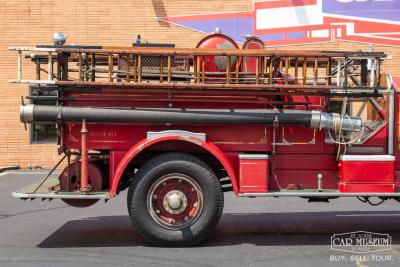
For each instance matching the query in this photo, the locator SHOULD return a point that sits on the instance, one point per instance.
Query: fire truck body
(199, 122)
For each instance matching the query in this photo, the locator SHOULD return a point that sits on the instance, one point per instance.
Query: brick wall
(29, 22)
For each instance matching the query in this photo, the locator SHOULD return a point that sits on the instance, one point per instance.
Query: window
(42, 133)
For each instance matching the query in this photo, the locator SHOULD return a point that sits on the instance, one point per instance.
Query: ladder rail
(290, 69)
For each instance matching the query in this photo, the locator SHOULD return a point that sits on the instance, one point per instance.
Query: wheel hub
(175, 202)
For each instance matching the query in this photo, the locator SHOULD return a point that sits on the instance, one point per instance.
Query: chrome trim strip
(367, 158)
(253, 156)
(315, 119)
(318, 194)
(391, 122)
(152, 135)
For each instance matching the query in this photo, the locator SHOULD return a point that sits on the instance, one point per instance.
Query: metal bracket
(23, 104)
(152, 135)
(59, 132)
(275, 127)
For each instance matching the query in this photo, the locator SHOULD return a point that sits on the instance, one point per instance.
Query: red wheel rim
(175, 201)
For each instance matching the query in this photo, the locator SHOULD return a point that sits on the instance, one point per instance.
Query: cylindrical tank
(249, 63)
(217, 63)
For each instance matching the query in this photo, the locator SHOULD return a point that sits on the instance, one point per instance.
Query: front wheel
(175, 199)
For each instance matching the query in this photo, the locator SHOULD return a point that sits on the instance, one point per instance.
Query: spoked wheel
(70, 181)
(175, 199)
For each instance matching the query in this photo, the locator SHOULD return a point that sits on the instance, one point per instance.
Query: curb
(9, 168)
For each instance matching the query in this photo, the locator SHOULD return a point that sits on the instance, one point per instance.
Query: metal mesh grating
(151, 64)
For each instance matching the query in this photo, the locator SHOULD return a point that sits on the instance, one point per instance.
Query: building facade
(27, 23)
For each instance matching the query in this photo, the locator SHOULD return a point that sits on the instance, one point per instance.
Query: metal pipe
(84, 159)
(391, 123)
(312, 119)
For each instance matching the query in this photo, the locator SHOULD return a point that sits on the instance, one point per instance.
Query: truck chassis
(178, 127)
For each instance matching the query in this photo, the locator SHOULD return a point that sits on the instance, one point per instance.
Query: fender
(136, 149)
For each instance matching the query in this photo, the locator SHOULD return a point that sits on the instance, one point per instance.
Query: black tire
(148, 175)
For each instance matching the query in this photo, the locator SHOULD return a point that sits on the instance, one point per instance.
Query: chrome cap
(59, 38)
(26, 113)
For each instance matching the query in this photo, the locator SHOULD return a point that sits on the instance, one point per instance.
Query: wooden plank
(328, 79)
(127, 68)
(110, 67)
(305, 71)
(161, 70)
(139, 59)
(49, 67)
(315, 80)
(80, 67)
(169, 67)
(228, 69)
(257, 70)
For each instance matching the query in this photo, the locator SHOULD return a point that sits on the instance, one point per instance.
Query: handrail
(166, 51)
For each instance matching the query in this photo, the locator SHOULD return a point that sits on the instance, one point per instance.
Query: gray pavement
(252, 232)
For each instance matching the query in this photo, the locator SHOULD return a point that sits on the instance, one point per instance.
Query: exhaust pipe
(312, 119)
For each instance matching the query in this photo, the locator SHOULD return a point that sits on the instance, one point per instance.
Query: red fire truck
(179, 127)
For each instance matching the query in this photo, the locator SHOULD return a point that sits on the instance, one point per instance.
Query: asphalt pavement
(252, 232)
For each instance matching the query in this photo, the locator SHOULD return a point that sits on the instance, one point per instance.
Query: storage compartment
(366, 173)
(253, 176)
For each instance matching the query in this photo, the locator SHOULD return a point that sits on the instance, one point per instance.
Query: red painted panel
(366, 176)
(366, 171)
(124, 136)
(253, 175)
(371, 188)
(115, 159)
(297, 139)
(283, 3)
(314, 102)
(302, 162)
(303, 179)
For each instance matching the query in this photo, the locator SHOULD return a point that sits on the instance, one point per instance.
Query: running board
(315, 193)
(48, 190)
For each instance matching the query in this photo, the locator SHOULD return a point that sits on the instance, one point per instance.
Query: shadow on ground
(264, 229)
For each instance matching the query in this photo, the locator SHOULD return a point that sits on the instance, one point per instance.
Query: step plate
(45, 191)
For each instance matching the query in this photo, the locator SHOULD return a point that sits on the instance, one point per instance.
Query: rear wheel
(175, 199)
(70, 182)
